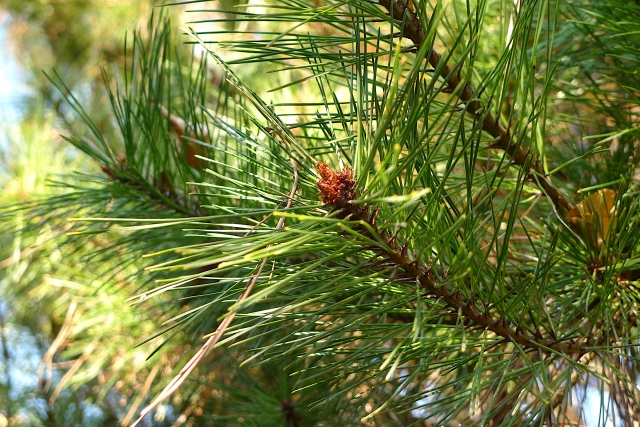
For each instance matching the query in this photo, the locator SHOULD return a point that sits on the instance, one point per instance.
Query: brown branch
(338, 189)
(414, 31)
(141, 394)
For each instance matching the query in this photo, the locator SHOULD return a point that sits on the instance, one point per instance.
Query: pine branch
(414, 31)
(327, 310)
(160, 191)
(177, 381)
(338, 190)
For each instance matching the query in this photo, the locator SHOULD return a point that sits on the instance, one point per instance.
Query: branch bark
(338, 190)
(414, 31)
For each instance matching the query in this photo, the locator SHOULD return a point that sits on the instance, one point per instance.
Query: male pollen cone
(336, 188)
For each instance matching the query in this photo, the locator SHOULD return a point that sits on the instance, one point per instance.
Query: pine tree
(430, 220)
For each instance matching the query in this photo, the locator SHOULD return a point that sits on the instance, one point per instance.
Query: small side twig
(215, 338)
